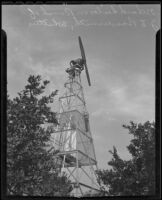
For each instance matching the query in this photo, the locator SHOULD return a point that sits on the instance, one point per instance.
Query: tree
(137, 175)
(31, 166)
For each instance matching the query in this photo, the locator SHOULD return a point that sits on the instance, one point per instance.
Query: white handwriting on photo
(110, 15)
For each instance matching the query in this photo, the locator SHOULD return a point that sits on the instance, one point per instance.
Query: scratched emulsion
(68, 16)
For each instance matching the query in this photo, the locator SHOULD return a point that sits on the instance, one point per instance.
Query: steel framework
(73, 140)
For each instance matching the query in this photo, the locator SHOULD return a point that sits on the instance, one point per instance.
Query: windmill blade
(84, 59)
(82, 49)
(87, 74)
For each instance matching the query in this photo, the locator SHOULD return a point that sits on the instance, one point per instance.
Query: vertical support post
(63, 164)
(77, 173)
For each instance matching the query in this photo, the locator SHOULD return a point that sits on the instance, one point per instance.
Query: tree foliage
(31, 169)
(137, 175)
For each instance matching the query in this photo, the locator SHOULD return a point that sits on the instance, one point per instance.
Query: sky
(119, 42)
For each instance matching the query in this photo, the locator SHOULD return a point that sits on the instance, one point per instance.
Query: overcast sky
(119, 42)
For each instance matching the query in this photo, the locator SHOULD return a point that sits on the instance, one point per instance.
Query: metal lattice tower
(72, 137)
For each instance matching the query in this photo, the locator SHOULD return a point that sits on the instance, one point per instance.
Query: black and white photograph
(81, 99)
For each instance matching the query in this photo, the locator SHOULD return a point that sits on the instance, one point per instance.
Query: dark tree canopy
(31, 169)
(137, 175)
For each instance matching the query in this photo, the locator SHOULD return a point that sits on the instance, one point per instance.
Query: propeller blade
(82, 49)
(87, 73)
(84, 59)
